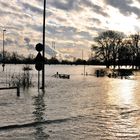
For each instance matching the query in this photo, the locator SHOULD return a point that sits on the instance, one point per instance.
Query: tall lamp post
(3, 65)
(43, 54)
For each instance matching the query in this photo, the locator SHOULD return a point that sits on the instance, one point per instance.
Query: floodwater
(79, 108)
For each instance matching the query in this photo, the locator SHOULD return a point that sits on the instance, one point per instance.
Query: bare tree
(107, 45)
(136, 49)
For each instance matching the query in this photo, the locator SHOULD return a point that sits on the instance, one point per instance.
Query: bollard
(18, 91)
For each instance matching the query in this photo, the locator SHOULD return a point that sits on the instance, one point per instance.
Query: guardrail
(6, 88)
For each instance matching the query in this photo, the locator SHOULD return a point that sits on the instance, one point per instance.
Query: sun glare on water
(121, 93)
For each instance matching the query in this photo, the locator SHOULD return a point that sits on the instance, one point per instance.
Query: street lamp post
(3, 65)
(43, 70)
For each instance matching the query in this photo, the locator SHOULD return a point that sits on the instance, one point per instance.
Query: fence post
(18, 91)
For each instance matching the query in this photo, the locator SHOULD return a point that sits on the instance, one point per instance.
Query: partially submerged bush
(22, 80)
(125, 72)
(26, 68)
(100, 72)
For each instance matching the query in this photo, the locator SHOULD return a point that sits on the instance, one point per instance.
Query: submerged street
(82, 107)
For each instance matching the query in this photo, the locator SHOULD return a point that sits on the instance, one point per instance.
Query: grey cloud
(28, 43)
(37, 28)
(7, 10)
(61, 30)
(53, 30)
(27, 40)
(8, 6)
(69, 29)
(11, 13)
(48, 13)
(70, 5)
(124, 7)
(99, 10)
(9, 41)
(32, 8)
(138, 1)
(68, 32)
(95, 20)
(85, 35)
(60, 19)
(96, 29)
(67, 5)
(96, 8)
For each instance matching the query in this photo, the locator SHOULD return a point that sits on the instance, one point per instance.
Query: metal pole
(84, 68)
(3, 50)
(83, 61)
(38, 80)
(43, 70)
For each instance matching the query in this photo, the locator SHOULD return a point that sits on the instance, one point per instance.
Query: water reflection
(121, 92)
(121, 109)
(126, 93)
(38, 113)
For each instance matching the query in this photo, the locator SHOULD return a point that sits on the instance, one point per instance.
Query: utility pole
(83, 61)
(43, 53)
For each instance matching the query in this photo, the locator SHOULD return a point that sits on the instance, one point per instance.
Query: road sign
(39, 47)
(39, 62)
(39, 66)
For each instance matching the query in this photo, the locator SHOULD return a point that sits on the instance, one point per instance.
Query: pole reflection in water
(39, 116)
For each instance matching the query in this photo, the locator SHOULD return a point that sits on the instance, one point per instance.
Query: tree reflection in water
(39, 116)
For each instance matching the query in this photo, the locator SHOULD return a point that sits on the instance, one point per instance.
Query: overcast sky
(72, 24)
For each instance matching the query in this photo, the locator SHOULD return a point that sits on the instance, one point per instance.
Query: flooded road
(79, 108)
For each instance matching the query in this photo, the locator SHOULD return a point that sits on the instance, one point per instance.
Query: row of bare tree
(116, 49)
(14, 57)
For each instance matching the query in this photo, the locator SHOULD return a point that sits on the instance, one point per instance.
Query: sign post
(39, 61)
(41, 66)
